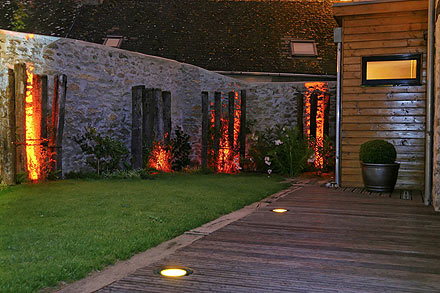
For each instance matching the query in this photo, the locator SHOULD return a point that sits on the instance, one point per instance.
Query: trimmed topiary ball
(377, 152)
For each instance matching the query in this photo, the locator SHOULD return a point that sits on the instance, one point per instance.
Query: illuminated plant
(103, 152)
(289, 152)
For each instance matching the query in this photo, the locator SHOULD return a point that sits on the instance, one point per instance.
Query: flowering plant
(290, 151)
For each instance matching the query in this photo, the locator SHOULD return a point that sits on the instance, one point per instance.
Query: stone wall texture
(100, 80)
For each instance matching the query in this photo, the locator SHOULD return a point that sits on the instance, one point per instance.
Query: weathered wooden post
(60, 122)
(242, 135)
(231, 116)
(300, 113)
(313, 112)
(136, 127)
(205, 129)
(217, 123)
(166, 100)
(327, 104)
(54, 124)
(44, 99)
(147, 118)
(20, 116)
(7, 134)
(158, 115)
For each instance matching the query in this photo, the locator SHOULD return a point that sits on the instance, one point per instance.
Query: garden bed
(63, 230)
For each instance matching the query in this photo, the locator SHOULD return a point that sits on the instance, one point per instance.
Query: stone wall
(100, 80)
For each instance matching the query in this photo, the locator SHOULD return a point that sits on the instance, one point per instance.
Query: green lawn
(61, 231)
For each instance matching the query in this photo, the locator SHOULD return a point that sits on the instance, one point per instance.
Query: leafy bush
(283, 147)
(290, 152)
(180, 149)
(104, 154)
(260, 144)
(377, 152)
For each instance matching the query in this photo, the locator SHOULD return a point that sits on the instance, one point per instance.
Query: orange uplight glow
(228, 160)
(160, 158)
(319, 88)
(33, 127)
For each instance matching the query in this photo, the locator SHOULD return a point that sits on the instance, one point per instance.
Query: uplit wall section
(100, 82)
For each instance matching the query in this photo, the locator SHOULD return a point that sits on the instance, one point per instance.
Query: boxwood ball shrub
(377, 152)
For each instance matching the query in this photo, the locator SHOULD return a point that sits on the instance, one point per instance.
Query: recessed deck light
(175, 272)
(279, 211)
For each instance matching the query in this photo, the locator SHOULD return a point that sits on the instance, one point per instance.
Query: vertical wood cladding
(395, 114)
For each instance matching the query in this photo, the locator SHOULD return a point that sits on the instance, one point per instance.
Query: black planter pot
(380, 177)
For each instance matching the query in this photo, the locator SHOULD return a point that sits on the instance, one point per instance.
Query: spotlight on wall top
(175, 272)
(279, 211)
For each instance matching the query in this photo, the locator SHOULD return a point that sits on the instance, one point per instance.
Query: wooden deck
(329, 241)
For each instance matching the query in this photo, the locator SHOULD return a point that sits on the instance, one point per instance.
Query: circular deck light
(279, 211)
(175, 272)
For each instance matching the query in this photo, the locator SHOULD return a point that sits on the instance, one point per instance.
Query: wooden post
(166, 99)
(147, 118)
(313, 112)
(35, 143)
(44, 98)
(158, 115)
(242, 135)
(54, 124)
(231, 115)
(60, 124)
(7, 135)
(217, 123)
(205, 129)
(136, 127)
(326, 113)
(20, 116)
(300, 111)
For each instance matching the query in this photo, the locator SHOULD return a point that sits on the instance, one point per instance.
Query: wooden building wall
(396, 114)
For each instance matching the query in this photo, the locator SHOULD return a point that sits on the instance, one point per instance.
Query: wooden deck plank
(330, 240)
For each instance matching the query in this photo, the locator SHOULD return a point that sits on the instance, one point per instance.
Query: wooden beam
(54, 123)
(7, 135)
(158, 115)
(300, 113)
(231, 115)
(44, 99)
(205, 129)
(147, 118)
(20, 117)
(60, 123)
(136, 127)
(242, 135)
(166, 100)
(36, 115)
(217, 122)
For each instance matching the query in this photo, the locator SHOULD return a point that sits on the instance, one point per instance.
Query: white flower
(269, 171)
(284, 129)
(267, 161)
(278, 142)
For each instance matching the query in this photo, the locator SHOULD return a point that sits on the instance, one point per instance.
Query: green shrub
(290, 152)
(104, 154)
(377, 152)
(260, 144)
(180, 149)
